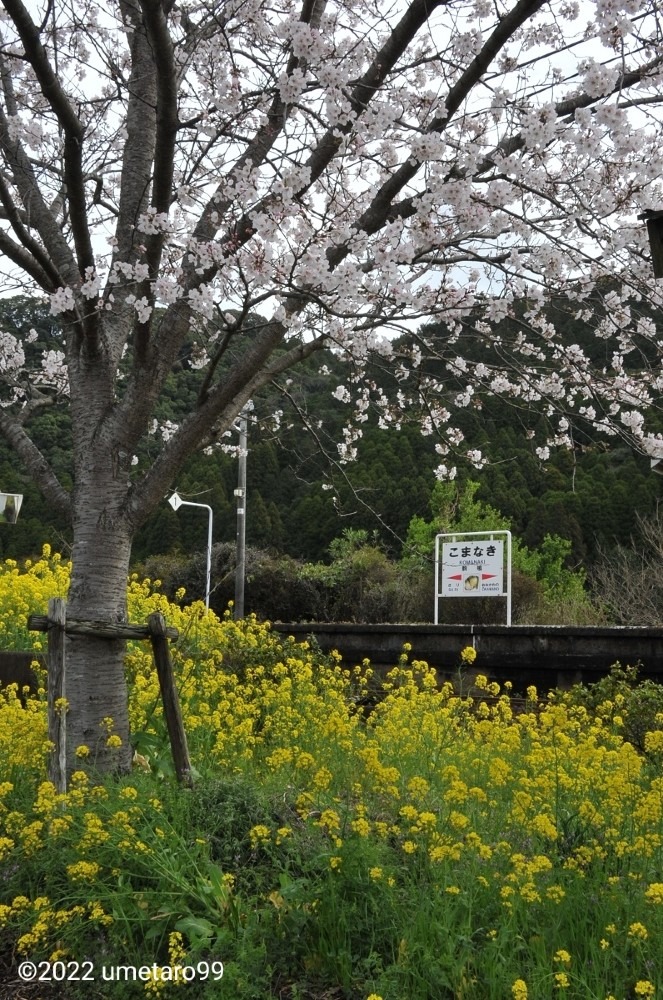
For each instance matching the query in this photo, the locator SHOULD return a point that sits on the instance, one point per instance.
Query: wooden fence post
(171, 703)
(57, 626)
(57, 713)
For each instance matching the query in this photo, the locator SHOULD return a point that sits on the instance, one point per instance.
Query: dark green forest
(300, 499)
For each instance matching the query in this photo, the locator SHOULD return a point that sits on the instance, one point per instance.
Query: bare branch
(261, 143)
(38, 58)
(223, 402)
(25, 260)
(37, 212)
(71, 126)
(35, 463)
(139, 146)
(42, 263)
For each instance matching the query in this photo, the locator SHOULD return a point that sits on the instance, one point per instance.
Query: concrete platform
(547, 656)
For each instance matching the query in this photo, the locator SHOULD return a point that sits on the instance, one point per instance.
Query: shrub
(631, 707)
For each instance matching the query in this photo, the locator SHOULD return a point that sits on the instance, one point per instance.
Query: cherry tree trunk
(96, 688)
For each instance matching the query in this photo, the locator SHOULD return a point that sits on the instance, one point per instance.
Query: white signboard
(10, 504)
(473, 564)
(473, 569)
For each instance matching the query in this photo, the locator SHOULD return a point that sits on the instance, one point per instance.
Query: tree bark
(96, 683)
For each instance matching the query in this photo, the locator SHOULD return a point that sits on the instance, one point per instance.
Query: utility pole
(240, 493)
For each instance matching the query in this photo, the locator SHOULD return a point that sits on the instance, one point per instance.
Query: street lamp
(176, 502)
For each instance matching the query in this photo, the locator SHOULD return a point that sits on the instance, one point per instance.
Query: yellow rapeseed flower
(259, 834)
(83, 871)
(361, 827)
(330, 821)
(654, 893)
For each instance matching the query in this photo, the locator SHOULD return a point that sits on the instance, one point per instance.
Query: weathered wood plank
(57, 715)
(169, 696)
(102, 630)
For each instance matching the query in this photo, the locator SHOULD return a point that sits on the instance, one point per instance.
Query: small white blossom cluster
(142, 307)
(92, 285)
(152, 222)
(62, 300)
(597, 79)
(167, 289)
(539, 127)
(165, 428)
(12, 355)
(347, 449)
(476, 458)
(30, 132)
(199, 358)
(292, 85)
(342, 393)
(53, 372)
(201, 300)
(652, 445)
(306, 41)
(468, 44)
(204, 254)
(445, 472)
(233, 450)
(275, 420)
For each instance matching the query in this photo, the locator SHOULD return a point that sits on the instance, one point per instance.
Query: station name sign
(473, 564)
(473, 569)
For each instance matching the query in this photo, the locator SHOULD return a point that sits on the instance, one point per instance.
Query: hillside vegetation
(350, 541)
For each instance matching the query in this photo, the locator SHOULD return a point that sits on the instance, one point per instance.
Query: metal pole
(209, 558)
(240, 493)
(508, 578)
(437, 578)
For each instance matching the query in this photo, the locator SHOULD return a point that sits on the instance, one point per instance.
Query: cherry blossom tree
(344, 169)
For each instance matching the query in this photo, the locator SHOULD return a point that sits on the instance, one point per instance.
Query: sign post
(472, 564)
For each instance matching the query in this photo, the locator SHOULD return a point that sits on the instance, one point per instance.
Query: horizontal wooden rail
(101, 630)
